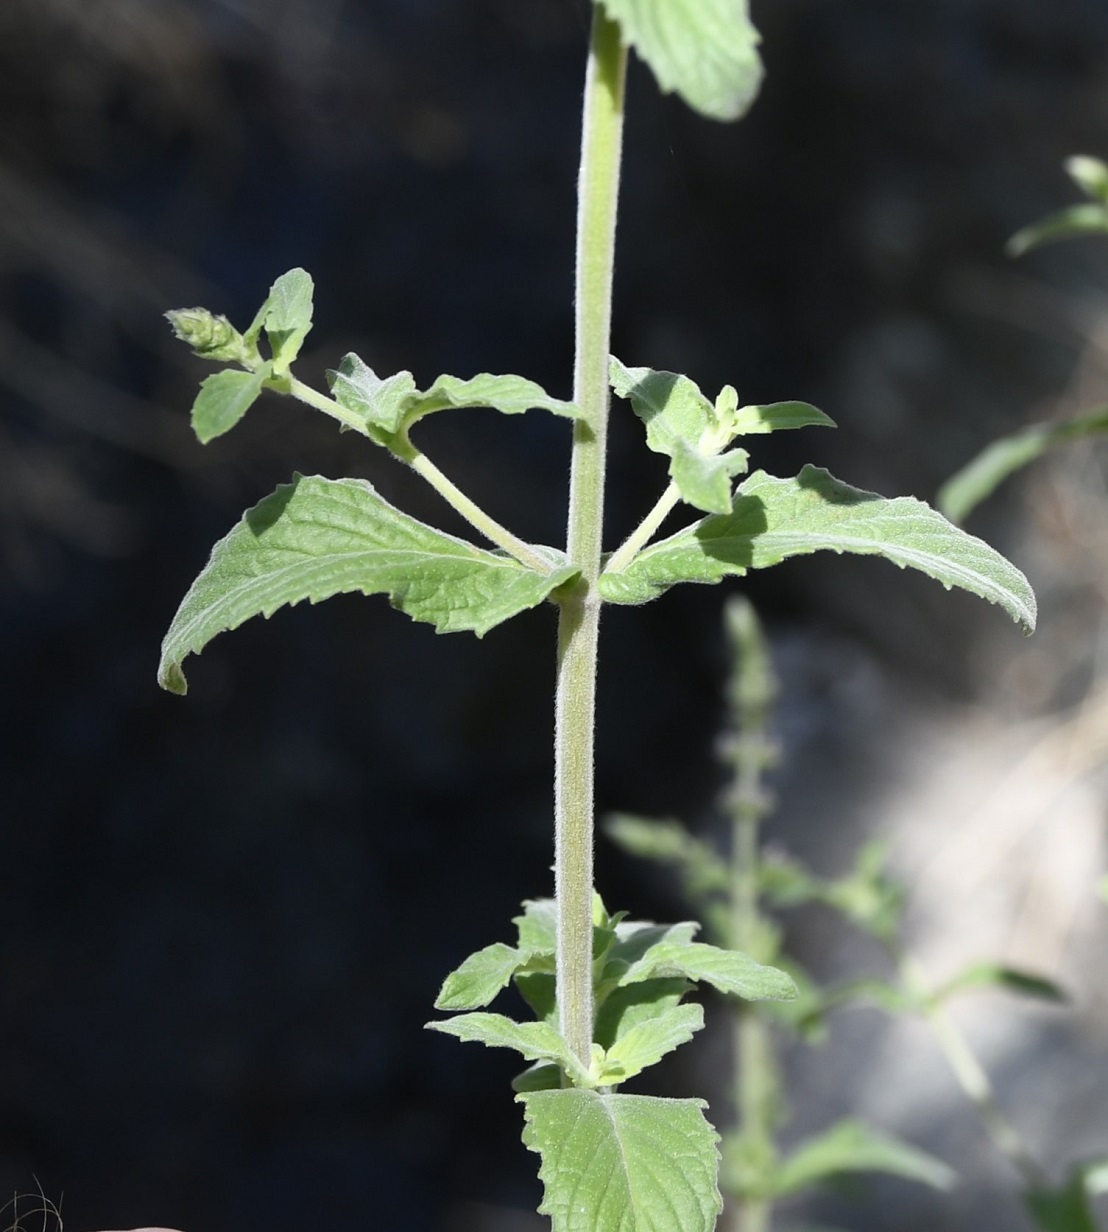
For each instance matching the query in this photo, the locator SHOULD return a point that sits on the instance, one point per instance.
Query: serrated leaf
(850, 1146)
(705, 50)
(289, 316)
(319, 537)
(978, 479)
(224, 398)
(1070, 223)
(645, 1043)
(775, 519)
(382, 403)
(996, 975)
(729, 971)
(477, 981)
(623, 1163)
(536, 1041)
(779, 417)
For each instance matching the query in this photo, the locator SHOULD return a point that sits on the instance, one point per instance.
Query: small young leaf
(623, 1163)
(779, 417)
(850, 1146)
(382, 403)
(705, 50)
(703, 871)
(538, 926)
(537, 1041)
(319, 537)
(210, 336)
(729, 971)
(705, 479)
(289, 316)
(224, 398)
(1067, 224)
(645, 1043)
(995, 975)
(775, 519)
(477, 981)
(978, 479)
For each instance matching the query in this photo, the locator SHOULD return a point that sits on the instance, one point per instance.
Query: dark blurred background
(226, 917)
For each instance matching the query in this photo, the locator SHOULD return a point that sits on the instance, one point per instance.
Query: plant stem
(644, 532)
(752, 689)
(424, 467)
(578, 624)
(972, 1077)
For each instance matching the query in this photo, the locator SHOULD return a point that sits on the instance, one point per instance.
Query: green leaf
(1067, 224)
(703, 870)
(288, 316)
(542, 1076)
(779, 417)
(477, 981)
(639, 938)
(775, 519)
(210, 336)
(995, 975)
(539, 989)
(623, 1163)
(391, 406)
(538, 926)
(319, 537)
(537, 1041)
(645, 1043)
(729, 971)
(224, 398)
(978, 479)
(1062, 1210)
(850, 1146)
(704, 480)
(624, 1009)
(705, 50)
(1090, 175)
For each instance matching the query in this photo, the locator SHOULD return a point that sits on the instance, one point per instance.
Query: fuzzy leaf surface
(317, 537)
(851, 1146)
(288, 317)
(536, 1041)
(729, 971)
(623, 1163)
(979, 478)
(224, 398)
(775, 519)
(477, 981)
(538, 926)
(645, 1043)
(779, 417)
(705, 50)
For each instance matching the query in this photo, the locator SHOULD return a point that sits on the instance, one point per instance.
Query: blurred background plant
(190, 1026)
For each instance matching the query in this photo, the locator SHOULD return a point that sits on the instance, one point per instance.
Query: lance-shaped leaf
(851, 1146)
(288, 316)
(729, 971)
(996, 975)
(978, 479)
(705, 50)
(477, 981)
(623, 1163)
(536, 1041)
(319, 537)
(390, 406)
(1071, 223)
(775, 519)
(647, 1041)
(778, 417)
(224, 398)
(703, 870)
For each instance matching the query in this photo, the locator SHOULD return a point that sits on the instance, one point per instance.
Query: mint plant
(741, 893)
(607, 992)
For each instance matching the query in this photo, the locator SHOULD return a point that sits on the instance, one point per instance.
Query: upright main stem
(598, 190)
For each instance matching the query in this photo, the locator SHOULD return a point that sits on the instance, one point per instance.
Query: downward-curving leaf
(705, 50)
(224, 398)
(510, 395)
(623, 1163)
(477, 981)
(851, 1146)
(319, 537)
(537, 1041)
(774, 519)
(977, 480)
(1067, 224)
(729, 971)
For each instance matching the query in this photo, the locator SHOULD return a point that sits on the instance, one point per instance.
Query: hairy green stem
(644, 532)
(575, 703)
(426, 469)
(972, 1078)
(751, 691)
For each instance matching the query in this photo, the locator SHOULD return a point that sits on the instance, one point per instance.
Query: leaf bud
(210, 336)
